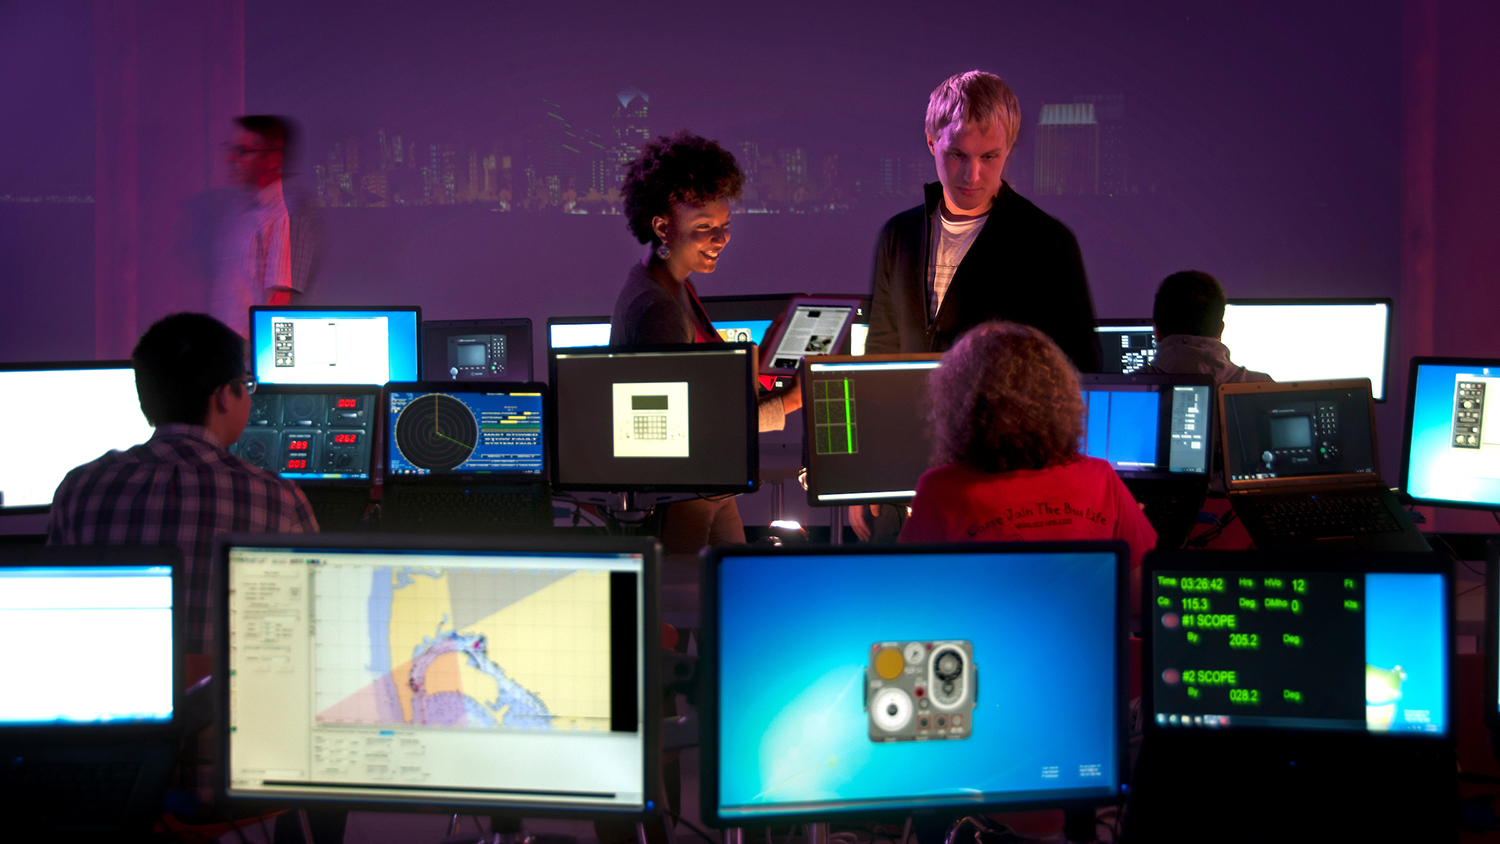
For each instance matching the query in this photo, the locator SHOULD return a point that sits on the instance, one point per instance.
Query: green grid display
(834, 426)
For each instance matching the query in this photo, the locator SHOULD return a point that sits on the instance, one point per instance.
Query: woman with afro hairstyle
(676, 197)
(1006, 419)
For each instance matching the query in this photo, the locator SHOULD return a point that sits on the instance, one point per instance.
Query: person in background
(1006, 419)
(974, 251)
(1189, 318)
(676, 197)
(270, 249)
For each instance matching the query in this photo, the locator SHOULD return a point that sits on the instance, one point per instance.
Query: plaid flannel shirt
(181, 487)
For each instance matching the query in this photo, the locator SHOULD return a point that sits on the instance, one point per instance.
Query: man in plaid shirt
(182, 486)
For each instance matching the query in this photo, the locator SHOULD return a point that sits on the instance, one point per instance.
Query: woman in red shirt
(1007, 419)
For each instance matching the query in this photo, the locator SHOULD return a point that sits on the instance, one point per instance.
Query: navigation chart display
(465, 433)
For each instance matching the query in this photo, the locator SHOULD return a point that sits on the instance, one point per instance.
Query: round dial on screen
(891, 709)
(436, 432)
(915, 653)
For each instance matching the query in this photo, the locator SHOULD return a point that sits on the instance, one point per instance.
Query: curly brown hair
(681, 167)
(1005, 398)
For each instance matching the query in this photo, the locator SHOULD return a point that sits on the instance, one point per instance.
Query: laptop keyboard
(74, 794)
(471, 509)
(1324, 514)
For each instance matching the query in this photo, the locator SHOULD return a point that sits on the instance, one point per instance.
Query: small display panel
(59, 418)
(465, 433)
(1298, 433)
(116, 619)
(885, 713)
(573, 334)
(741, 330)
(333, 345)
(867, 435)
(310, 434)
(504, 679)
(1148, 425)
(1453, 438)
(1313, 340)
(476, 350)
(1299, 650)
(1124, 349)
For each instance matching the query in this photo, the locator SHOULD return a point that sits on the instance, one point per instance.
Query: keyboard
(1325, 514)
(87, 794)
(470, 510)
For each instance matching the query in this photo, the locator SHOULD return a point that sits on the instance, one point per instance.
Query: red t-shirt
(1084, 499)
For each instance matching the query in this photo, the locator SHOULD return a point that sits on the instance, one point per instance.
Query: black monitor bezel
(508, 322)
(331, 389)
(1490, 696)
(45, 366)
(650, 623)
(752, 414)
(1410, 420)
(387, 436)
(1361, 562)
(1164, 435)
(416, 310)
(40, 556)
(573, 320)
(708, 674)
(1390, 319)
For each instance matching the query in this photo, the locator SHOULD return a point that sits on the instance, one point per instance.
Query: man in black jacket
(976, 250)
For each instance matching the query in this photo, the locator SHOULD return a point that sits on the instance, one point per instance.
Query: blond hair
(975, 97)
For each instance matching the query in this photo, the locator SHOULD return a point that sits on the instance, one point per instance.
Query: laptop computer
(90, 642)
(465, 457)
(1302, 469)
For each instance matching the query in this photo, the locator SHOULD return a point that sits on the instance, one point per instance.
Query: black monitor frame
(416, 310)
(478, 326)
(1390, 306)
(572, 320)
(708, 674)
(650, 626)
(387, 436)
(1163, 444)
(1410, 419)
(370, 390)
(1490, 696)
(752, 454)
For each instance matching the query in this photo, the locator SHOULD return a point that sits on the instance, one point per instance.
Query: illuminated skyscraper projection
(630, 130)
(1067, 150)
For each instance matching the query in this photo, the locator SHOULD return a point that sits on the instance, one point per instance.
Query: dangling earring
(663, 252)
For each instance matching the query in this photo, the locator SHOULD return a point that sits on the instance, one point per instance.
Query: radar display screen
(465, 433)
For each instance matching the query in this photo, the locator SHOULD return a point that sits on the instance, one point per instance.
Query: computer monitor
(1311, 339)
(510, 677)
(744, 319)
(1451, 454)
(997, 681)
(474, 429)
(673, 418)
(59, 416)
(577, 332)
(1149, 426)
(348, 345)
(1125, 345)
(1324, 643)
(866, 431)
(314, 434)
(1292, 433)
(476, 350)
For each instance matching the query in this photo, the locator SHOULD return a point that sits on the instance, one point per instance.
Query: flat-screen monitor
(502, 677)
(866, 431)
(1452, 447)
(1149, 426)
(1301, 643)
(1125, 345)
(674, 418)
(1311, 339)
(312, 434)
(744, 319)
(474, 429)
(577, 332)
(59, 416)
(349, 345)
(997, 683)
(476, 350)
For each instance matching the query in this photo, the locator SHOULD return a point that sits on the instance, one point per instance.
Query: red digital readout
(346, 438)
(297, 445)
(347, 402)
(297, 463)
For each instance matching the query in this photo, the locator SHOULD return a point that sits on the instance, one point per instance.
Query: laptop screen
(1148, 425)
(76, 414)
(575, 332)
(1452, 440)
(1311, 340)
(945, 705)
(1284, 431)
(464, 432)
(1126, 347)
(403, 672)
(1299, 650)
(86, 645)
(304, 434)
(476, 350)
(304, 345)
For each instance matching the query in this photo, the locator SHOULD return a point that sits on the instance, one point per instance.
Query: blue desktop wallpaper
(1121, 427)
(401, 329)
(756, 327)
(795, 637)
(1404, 626)
(1434, 470)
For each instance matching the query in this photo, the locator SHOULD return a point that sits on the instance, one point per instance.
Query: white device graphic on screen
(651, 419)
(921, 690)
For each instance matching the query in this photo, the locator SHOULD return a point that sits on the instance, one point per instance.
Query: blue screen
(1404, 628)
(1444, 463)
(334, 346)
(742, 330)
(795, 733)
(1121, 427)
(465, 433)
